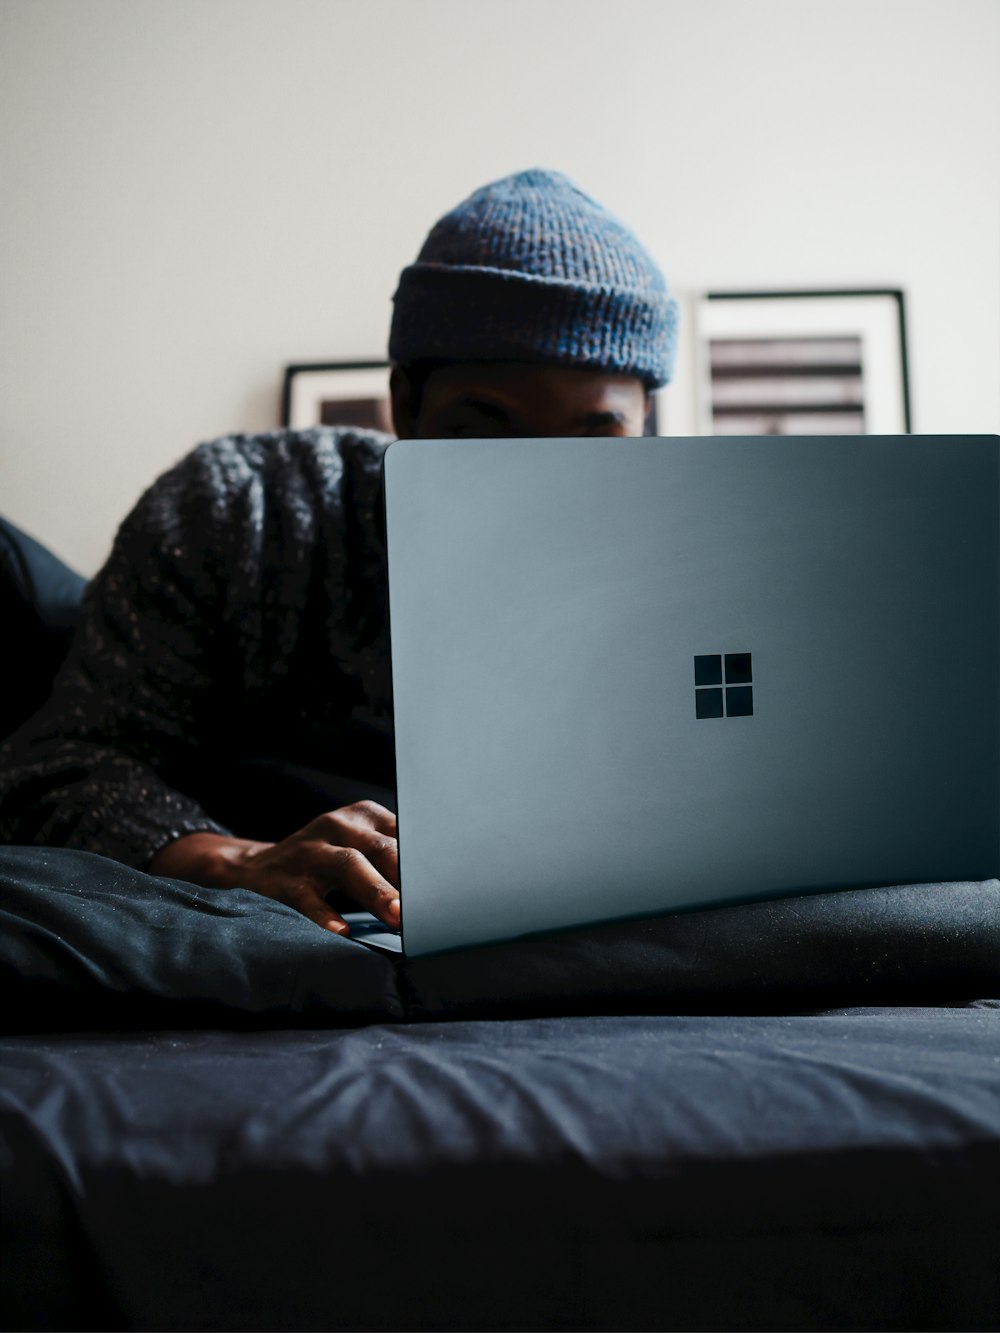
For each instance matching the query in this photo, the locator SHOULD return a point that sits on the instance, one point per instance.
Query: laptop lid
(635, 676)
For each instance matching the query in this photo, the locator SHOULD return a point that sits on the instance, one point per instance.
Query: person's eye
(475, 430)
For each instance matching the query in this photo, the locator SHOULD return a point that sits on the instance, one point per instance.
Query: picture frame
(337, 393)
(826, 362)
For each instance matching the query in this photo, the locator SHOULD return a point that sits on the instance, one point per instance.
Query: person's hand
(350, 853)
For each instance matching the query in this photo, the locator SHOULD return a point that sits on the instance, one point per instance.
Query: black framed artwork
(337, 393)
(802, 363)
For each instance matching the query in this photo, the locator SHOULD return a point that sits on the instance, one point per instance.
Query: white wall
(197, 192)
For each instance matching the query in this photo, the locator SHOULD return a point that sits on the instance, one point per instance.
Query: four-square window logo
(723, 685)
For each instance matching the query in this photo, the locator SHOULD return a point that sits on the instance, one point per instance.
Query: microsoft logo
(711, 685)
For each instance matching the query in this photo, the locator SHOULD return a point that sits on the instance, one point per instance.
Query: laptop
(640, 676)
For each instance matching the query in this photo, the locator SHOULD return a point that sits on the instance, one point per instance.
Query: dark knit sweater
(242, 612)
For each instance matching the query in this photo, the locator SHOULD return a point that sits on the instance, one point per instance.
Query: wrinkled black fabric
(342, 1161)
(832, 1171)
(88, 942)
(911, 944)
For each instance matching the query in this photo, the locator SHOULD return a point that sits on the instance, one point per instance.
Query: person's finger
(380, 818)
(368, 814)
(308, 900)
(349, 827)
(350, 871)
(381, 850)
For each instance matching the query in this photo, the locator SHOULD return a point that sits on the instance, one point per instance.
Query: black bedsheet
(215, 1116)
(830, 1171)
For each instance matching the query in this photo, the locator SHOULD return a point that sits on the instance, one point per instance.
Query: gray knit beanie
(532, 269)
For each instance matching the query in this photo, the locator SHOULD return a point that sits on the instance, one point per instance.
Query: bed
(784, 1115)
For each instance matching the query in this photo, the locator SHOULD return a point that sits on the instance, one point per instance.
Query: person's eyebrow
(594, 419)
(485, 407)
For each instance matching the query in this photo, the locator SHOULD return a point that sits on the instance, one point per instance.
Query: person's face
(502, 399)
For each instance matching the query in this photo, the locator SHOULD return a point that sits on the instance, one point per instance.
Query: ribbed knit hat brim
(495, 314)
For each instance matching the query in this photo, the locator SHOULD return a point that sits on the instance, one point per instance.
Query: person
(238, 630)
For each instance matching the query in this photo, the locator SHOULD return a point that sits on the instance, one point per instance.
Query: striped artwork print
(787, 386)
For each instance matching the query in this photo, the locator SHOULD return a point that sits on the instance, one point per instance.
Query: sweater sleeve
(144, 686)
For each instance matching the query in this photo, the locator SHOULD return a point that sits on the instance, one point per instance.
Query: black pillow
(915, 944)
(86, 942)
(39, 608)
